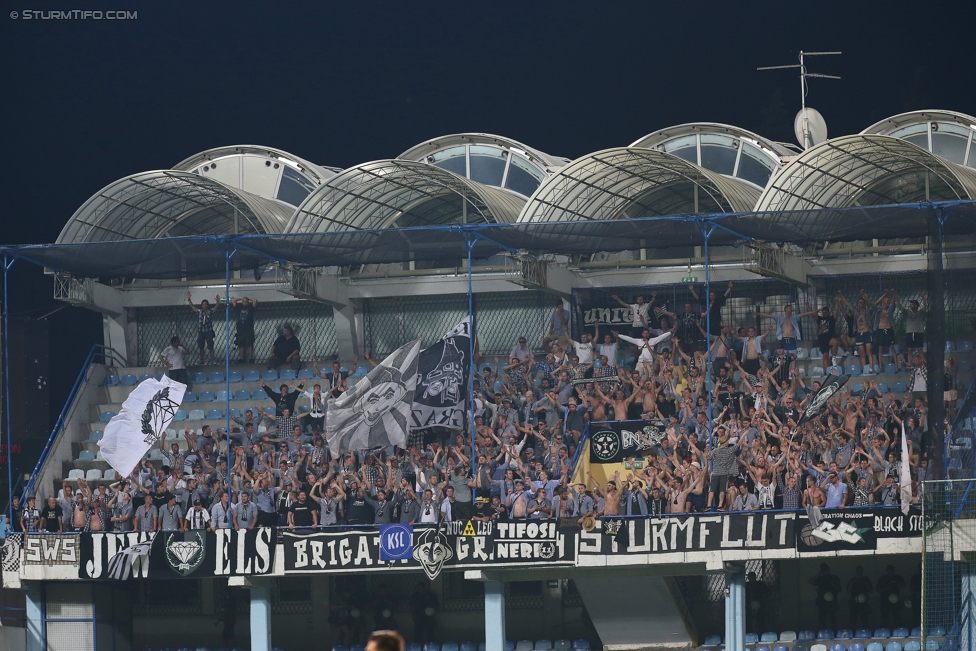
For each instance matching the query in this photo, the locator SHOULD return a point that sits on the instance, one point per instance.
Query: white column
(260, 615)
(735, 611)
(348, 325)
(35, 618)
(495, 615)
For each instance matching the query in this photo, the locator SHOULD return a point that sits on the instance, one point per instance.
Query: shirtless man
(678, 495)
(597, 405)
(612, 500)
(813, 496)
(863, 317)
(787, 328)
(884, 331)
(619, 402)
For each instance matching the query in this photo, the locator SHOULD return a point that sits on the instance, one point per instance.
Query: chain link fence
(313, 324)
(948, 588)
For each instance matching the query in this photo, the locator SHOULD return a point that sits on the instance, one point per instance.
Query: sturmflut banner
(442, 383)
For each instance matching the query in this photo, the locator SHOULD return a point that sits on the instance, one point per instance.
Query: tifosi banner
(612, 442)
(453, 545)
(175, 555)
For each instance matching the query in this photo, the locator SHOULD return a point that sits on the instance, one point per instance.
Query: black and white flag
(818, 403)
(376, 412)
(442, 386)
(139, 425)
(120, 565)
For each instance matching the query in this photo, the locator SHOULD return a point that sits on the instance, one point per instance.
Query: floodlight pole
(8, 262)
(229, 252)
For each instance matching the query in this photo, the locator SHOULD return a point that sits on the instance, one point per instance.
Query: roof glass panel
(754, 166)
(523, 176)
(949, 141)
(487, 165)
(293, 187)
(718, 153)
(685, 147)
(453, 159)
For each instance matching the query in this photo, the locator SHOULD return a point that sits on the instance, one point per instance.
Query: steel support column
(735, 609)
(494, 616)
(36, 638)
(260, 614)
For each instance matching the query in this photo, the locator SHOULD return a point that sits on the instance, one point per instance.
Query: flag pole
(471, 240)
(7, 264)
(228, 254)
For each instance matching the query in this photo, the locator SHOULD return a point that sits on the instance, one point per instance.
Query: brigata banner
(452, 546)
(856, 529)
(176, 555)
(695, 533)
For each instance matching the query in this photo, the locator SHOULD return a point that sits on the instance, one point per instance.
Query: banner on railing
(612, 442)
(856, 529)
(176, 555)
(453, 545)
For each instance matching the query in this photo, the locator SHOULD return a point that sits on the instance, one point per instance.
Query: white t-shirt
(610, 351)
(640, 311)
(446, 510)
(428, 512)
(584, 352)
(174, 356)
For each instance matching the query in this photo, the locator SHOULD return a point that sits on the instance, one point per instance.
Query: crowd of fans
(530, 414)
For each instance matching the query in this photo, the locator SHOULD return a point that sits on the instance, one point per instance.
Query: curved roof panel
(264, 171)
(634, 182)
(865, 170)
(400, 193)
(721, 148)
(947, 134)
(170, 203)
(489, 160)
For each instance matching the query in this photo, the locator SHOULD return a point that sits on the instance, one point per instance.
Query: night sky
(86, 102)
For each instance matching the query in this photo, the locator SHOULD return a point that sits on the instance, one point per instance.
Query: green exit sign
(690, 279)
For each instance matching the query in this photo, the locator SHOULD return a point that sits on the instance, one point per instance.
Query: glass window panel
(452, 159)
(922, 140)
(293, 187)
(685, 147)
(950, 142)
(754, 166)
(972, 153)
(718, 153)
(487, 165)
(523, 176)
(917, 134)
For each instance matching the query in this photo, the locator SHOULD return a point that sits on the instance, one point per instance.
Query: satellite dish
(810, 121)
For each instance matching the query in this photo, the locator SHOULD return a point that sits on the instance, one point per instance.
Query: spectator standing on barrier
(828, 591)
(915, 316)
(286, 349)
(787, 328)
(884, 327)
(174, 358)
(558, 327)
(205, 328)
(638, 312)
(859, 590)
(244, 337)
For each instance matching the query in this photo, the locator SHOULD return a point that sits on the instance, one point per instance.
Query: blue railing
(97, 355)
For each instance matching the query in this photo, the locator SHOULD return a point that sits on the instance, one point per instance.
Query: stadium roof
(944, 133)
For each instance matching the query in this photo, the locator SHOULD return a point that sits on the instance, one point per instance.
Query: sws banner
(856, 529)
(612, 442)
(176, 555)
(453, 545)
(696, 533)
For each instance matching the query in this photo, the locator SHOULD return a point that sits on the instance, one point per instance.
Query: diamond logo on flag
(159, 410)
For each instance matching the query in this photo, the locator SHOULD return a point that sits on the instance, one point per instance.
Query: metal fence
(313, 324)
(948, 588)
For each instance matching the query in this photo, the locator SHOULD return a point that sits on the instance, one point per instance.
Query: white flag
(906, 474)
(376, 412)
(145, 415)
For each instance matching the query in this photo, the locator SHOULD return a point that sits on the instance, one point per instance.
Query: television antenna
(808, 125)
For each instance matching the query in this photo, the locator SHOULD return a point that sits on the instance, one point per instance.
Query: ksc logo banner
(396, 541)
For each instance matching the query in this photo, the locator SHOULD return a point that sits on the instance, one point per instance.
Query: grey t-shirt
(147, 517)
(914, 321)
(171, 516)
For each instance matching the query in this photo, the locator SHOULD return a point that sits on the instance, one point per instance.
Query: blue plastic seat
(216, 377)
(930, 645)
(838, 646)
(917, 631)
(432, 646)
(937, 631)
(469, 646)
(881, 634)
(562, 645)
(900, 632)
(964, 346)
(195, 414)
(899, 387)
(86, 455)
(965, 365)
(289, 374)
(711, 640)
(449, 646)
(523, 645)
(235, 412)
(762, 648)
(875, 646)
(883, 387)
(852, 369)
(271, 375)
(96, 435)
(144, 377)
(111, 380)
(857, 388)
(856, 646)
(180, 415)
(751, 638)
(768, 637)
(413, 646)
(862, 633)
(844, 634)
(806, 636)
(260, 394)
(252, 376)
(825, 634)
(242, 394)
(308, 374)
(206, 396)
(106, 416)
(190, 396)
(222, 396)
(913, 645)
(128, 380)
(199, 377)
(235, 376)
(583, 644)
(894, 645)
(889, 368)
(781, 647)
(509, 646)
(215, 414)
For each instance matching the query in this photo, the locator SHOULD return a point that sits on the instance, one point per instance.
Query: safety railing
(97, 355)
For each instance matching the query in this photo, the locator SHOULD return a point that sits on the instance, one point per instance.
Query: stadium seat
(242, 394)
(868, 369)
(802, 353)
(937, 631)
(883, 387)
(881, 634)
(206, 396)
(893, 646)
(107, 416)
(787, 636)
(965, 365)
(562, 645)
(584, 645)
(825, 634)
(916, 632)
(852, 369)
(768, 637)
(524, 645)
(964, 346)
(469, 646)
(413, 646)
(838, 646)
(96, 435)
(761, 648)
(449, 646)
(215, 414)
(856, 646)
(752, 638)
(889, 368)
(190, 396)
(432, 646)
(110, 475)
(816, 371)
(802, 371)
(144, 377)
(252, 376)
(711, 640)
(288, 374)
(235, 412)
(806, 636)
(235, 376)
(818, 647)
(857, 387)
(199, 377)
(93, 475)
(221, 396)
(781, 647)
(111, 380)
(270, 375)
(899, 387)
(215, 377)
(128, 380)
(195, 414)
(509, 645)
(950, 345)
(875, 646)
(930, 645)
(75, 474)
(86, 455)
(913, 645)
(180, 415)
